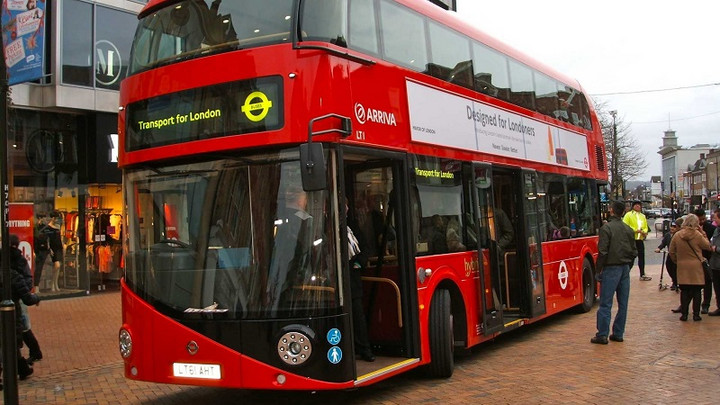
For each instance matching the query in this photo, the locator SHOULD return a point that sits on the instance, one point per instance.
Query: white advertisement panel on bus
(445, 119)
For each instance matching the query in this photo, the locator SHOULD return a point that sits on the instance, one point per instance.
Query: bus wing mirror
(312, 167)
(312, 157)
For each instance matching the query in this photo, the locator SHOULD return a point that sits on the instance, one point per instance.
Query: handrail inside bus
(507, 277)
(319, 288)
(397, 294)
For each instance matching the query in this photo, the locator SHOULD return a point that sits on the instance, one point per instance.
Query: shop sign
(21, 218)
(42, 151)
(109, 63)
(23, 23)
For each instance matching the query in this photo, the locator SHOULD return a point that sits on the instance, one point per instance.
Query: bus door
(491, 295)
(374, 188)
(515, 243)
(532, 233)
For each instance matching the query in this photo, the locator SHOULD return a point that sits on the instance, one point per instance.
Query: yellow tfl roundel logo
(256, 106)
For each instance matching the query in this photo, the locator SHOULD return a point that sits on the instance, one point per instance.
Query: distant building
(676, 161)
(656, 191)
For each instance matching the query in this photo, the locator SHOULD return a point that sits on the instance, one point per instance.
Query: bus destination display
(225, 109)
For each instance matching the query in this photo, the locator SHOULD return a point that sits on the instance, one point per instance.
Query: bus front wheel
(442, 339)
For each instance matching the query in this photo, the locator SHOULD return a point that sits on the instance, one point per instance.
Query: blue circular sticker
(334, 336)
(334, 355)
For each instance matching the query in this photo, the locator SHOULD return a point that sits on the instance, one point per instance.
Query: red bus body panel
(461, 269)
(315, 83)
(153, 358)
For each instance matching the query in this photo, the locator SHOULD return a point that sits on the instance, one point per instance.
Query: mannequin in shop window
(56, 247)
(41, 246)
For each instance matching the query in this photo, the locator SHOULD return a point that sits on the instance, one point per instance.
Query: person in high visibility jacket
(636, 220)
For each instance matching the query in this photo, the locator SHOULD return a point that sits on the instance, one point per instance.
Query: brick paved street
(662, 360)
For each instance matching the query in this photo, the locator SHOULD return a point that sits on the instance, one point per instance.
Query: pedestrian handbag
(705, 264)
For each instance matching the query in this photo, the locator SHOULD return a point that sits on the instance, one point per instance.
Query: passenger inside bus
(358, 263)
(438, 238)
(291, 251)
(453, 235)
(503, 229)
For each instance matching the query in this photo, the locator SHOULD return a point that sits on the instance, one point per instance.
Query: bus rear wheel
(588, 287)
(442, 340)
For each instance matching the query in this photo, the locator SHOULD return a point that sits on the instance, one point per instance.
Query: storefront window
(70, 214)
(101, 59)
(44, 182)
(112, 46)
(77, 43)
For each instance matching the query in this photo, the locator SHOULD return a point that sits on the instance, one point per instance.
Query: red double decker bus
(472, 174)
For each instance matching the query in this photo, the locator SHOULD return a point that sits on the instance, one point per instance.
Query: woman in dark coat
(686, 251)
(21, 285)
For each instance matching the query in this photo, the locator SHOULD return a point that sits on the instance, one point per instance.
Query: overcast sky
(615, 46)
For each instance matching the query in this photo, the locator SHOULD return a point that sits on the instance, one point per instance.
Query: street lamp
(672, 203)
(614, 154)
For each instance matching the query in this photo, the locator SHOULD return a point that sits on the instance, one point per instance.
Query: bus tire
(442, 340)
(588, 288)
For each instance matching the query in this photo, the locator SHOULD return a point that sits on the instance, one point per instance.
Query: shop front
(65, 185)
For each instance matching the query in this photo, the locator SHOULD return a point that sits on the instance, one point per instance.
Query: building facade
(62, 140)
(678, 166)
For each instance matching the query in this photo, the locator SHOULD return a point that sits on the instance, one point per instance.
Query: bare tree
(625, 157)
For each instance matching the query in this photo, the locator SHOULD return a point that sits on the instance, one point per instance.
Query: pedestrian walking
(686, 250)
(708, 229)
(21, 285)
(616, 253)
(715, 261)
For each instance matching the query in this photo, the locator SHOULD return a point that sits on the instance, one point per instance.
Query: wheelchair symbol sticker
(334, 336)
(334, 355)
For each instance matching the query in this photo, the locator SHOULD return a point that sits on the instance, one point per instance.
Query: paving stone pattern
(662, 360)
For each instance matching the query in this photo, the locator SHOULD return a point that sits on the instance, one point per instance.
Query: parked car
(653, 213)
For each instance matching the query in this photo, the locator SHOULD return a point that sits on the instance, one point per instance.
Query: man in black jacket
(709, 230)
(715, 261)
(616, 253)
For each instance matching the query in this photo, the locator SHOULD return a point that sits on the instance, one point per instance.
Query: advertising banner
(441, 118)
(21, 217)
(23, 32)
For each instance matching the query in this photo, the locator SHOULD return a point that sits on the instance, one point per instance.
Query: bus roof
(450, 19)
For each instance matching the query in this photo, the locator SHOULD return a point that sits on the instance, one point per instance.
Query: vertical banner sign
(23, 32)
(20, 220)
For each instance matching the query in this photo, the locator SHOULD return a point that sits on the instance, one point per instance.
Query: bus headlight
(125, 343)
(294, 348)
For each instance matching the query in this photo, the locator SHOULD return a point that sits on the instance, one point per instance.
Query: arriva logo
(364, 115)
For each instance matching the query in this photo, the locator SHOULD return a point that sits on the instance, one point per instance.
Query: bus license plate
(190, 370)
